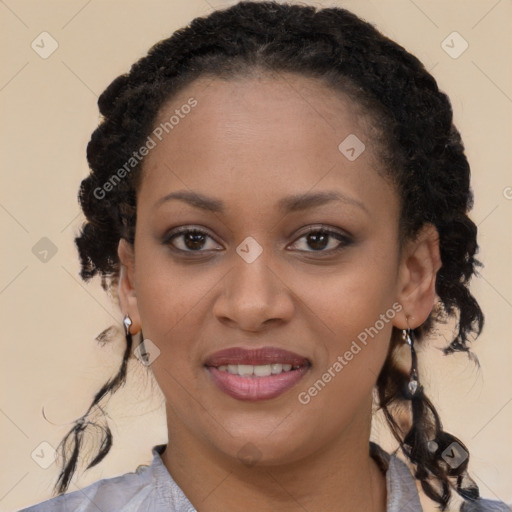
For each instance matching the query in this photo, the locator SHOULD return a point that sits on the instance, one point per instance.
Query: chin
(263, 446)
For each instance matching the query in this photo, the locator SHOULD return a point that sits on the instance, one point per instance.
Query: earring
(413, 384)
(127, 322)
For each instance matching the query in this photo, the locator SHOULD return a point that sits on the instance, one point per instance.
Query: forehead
(266, 135)
(291, 111)
(268, 103)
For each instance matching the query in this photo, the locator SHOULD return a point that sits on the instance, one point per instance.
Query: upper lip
(264, 355)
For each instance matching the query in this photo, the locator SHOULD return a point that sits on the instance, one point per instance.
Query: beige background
(50, 318)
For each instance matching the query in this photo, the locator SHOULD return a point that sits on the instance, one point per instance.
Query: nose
(253, 297)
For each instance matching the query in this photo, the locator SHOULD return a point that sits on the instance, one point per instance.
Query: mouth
(253, 375)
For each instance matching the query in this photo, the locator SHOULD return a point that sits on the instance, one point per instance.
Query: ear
(419, 263)
(127, 294)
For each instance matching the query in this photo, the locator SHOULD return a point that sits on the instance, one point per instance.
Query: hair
(416, 143)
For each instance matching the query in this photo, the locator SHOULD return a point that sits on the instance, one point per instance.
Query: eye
(320, 238)
(189, 240)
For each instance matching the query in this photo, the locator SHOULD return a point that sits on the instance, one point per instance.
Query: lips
(265, 355)
(258, 374)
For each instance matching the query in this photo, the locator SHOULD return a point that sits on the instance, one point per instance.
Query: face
(266, 267)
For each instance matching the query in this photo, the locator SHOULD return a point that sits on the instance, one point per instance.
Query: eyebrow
(289, 204)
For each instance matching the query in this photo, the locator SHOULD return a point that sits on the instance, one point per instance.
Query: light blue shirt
(152, 489)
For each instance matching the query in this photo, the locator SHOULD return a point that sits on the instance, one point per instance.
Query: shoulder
(402, 491)
(138, 491)
(483, 505)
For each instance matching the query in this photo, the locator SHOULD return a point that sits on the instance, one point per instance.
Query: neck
(343, 477)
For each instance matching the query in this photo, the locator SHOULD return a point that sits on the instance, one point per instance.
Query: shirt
(152, 489)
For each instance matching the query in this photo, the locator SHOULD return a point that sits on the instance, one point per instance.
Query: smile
(259, 370)
(253, 375)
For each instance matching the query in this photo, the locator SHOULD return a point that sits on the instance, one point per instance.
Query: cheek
(358, 326)
(354, 314)
(353, 297)
(167, 291)
(169, 310)
(175, 304)
(353, 351)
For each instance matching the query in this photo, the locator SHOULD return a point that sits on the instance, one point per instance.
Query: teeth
(245, 370)
(262, 370)
(259, 370)
(276, 368)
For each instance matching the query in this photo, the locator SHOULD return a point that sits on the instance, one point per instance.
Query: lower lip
(256, 388)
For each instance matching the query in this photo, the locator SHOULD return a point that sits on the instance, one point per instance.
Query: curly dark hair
(419, 148)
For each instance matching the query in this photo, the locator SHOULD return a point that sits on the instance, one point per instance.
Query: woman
(280, 196)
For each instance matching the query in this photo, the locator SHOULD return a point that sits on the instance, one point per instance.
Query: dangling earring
(140, 351)
(127, 322)
(413, 385)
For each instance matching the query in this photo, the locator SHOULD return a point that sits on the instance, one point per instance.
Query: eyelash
(344, 239)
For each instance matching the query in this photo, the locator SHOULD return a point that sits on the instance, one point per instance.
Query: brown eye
(190, 240)
(322, 240)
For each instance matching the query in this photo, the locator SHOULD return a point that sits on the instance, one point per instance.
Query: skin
(249, 143)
